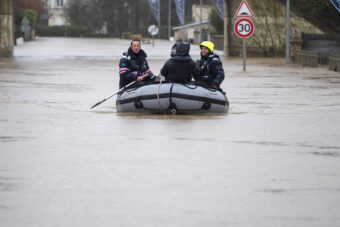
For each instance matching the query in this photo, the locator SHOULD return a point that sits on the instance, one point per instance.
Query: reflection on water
(13, 138)
(301, 190)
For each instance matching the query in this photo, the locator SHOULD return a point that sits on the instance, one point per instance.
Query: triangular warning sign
(244, 10)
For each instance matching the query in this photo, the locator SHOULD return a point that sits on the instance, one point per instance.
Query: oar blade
(98, 103)
(123, 88)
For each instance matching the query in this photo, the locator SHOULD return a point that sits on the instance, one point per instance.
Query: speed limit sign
(244, 28)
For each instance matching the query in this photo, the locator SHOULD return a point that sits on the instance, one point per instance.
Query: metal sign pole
(244, 28)
(244, 41)
(287, 32)
(169, 20)
(183, 18)
(159, 18)
(201, 37)
(153, 30)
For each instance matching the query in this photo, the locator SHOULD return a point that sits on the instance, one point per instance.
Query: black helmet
(182, 48)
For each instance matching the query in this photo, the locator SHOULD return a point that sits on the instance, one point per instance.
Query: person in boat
(133, 66)
(209, 69)
(180, 68)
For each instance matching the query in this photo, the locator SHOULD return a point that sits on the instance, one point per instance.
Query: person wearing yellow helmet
(209, 69)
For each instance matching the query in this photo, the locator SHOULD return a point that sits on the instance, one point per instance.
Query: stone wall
(270, 30)
(325, 43)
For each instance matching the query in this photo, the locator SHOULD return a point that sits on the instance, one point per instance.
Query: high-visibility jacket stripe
(123, 70)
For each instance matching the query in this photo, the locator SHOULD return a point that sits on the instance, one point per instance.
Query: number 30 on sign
(244, 28)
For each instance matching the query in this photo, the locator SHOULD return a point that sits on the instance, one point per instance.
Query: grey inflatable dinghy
(172, 98)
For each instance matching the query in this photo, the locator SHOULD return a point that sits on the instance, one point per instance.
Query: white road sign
(244, 28)
(244, 10)
(153, 30)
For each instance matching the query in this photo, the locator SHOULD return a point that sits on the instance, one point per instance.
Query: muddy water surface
(273, 160)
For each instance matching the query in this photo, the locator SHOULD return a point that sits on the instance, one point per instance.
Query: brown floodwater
(273, 160)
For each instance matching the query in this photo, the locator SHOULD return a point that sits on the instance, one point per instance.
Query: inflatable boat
(172, 98)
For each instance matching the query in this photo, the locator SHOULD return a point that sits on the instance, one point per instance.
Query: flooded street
(273, 160)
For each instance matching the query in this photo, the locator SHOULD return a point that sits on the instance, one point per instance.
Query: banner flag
(336, 4)
(180, 10)
(220, 8)
(155, 8)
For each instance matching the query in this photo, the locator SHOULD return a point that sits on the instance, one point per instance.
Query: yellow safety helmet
(208, 45)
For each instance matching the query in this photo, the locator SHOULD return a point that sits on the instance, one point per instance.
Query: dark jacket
(180, 68)
(131, 66)
(209, 70)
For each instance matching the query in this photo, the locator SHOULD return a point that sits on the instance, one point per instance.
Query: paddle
(126, 86)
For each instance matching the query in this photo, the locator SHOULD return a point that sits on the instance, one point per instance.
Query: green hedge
(19, 15)
(70, 30)
(32, 17)
(29, 13)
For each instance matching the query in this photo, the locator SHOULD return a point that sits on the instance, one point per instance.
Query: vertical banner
(336, 4)
(180, 10)
(155, 8)
(220, 8)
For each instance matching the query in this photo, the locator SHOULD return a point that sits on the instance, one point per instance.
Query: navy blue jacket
(180, 68)
(131, 66)
(209, 70)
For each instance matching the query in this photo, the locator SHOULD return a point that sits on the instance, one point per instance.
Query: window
(60, 3)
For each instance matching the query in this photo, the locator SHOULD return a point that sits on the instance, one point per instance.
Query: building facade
(55, 9)
(196, 12)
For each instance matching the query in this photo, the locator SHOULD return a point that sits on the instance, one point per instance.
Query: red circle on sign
(246, 22)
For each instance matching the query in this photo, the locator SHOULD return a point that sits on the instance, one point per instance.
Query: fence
(314, 59)
(334, 62)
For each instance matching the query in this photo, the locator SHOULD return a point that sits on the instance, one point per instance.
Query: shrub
(32, 17)
(69, 30)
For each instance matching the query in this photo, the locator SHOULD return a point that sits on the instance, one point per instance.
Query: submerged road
(273, 160)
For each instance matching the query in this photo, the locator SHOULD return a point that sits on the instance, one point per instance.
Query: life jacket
(135, 62)
(210, 70)
(131, 66)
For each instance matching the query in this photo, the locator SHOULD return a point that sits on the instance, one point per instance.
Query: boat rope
(159, 100)
(188, 86)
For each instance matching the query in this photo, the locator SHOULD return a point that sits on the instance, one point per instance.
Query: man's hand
(140, 78)
(159, 78)
(214, 86)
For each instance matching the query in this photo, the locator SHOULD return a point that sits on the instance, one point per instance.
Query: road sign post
(244, 44)
(153, 30)
(244, 27)
(25, 27)
(288, 32)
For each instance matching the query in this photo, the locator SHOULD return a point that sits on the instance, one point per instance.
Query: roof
(190, 25)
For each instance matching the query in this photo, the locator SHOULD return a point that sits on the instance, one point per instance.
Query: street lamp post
(225, 32)
(183, 19)
(169, 20)
(288, 32)
(201, 21)
(159, 18)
